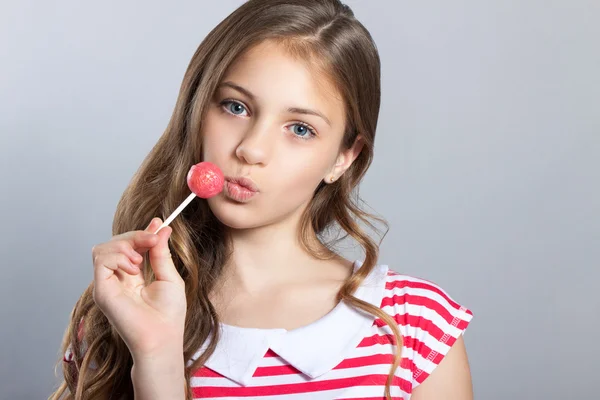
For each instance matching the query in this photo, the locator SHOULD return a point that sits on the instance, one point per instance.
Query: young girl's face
(255, 127)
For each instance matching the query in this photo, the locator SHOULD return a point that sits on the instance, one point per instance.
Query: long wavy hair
(322, 31)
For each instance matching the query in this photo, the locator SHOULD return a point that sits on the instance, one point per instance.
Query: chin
(234, 215)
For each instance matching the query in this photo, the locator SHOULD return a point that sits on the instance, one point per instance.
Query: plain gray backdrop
(486, 167)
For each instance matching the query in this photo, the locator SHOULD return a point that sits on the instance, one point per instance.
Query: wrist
(173, 353)
(155, 377)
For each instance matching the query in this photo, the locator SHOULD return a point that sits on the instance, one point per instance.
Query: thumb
(160, 257)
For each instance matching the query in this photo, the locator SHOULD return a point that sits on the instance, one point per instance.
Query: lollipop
(205, 180)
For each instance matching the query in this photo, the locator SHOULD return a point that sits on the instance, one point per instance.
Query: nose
(256, 144)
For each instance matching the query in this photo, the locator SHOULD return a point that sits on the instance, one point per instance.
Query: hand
(150, 319)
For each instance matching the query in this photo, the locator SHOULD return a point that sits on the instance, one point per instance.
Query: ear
(345, 159)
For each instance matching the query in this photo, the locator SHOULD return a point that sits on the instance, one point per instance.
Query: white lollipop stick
(176, 212)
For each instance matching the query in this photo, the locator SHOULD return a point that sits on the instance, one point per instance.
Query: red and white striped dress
(344, 355)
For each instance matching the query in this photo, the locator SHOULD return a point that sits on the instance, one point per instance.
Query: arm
(159, 377)
(451, 379)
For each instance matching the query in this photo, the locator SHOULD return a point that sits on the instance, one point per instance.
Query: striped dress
(346, 354)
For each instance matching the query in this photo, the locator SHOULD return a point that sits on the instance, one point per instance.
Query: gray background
(487, 167)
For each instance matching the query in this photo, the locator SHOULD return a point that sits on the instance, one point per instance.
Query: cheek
(218, 138)
(298, 177)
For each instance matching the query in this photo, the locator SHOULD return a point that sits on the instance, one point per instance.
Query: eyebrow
(294, 110)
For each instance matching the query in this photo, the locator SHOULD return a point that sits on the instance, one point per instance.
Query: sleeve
(435, 322)
(68, 357)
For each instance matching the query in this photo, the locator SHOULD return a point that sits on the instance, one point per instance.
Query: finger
(114, 262)
(137, 255)
(135, 240)
(123, 245)
(161, 260)
(153, 225)
(112, 273)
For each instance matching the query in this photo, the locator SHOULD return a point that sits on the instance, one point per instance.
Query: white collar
(313, 349)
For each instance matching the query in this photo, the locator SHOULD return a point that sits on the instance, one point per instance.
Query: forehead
(275, 76)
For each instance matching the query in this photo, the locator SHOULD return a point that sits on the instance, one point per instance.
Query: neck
(270, 254)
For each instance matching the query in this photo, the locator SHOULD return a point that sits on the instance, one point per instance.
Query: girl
(244, 296)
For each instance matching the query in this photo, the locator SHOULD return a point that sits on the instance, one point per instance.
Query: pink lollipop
(205, 180)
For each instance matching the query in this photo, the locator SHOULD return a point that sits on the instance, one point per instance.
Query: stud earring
(331, 179)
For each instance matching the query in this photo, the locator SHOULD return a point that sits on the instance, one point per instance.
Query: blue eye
(303, 130)
(300, 130)
(234, 107)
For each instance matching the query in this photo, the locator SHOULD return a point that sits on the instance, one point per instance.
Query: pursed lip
(246, 183)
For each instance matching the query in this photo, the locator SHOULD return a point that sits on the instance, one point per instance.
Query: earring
(331, 179)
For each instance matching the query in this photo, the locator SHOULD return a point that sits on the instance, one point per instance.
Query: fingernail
(151, 222)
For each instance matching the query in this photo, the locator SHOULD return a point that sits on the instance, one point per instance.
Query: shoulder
(430, 320)
(419, 297)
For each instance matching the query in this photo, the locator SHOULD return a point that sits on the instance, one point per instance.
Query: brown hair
(322, 31)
